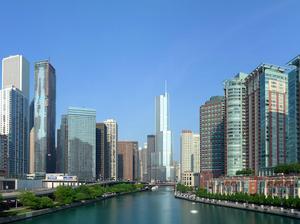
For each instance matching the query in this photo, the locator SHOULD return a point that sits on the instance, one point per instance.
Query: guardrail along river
(155, 208)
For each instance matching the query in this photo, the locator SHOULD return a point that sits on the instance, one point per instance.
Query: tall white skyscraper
(15, 72)
(163, 138)
(14, 115)
(190, 151)
(112, 139)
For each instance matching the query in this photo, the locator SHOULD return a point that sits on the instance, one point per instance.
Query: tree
(46, 202)
(64, 195)
(29, 199)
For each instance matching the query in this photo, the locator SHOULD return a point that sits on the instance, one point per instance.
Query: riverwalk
(292, 213)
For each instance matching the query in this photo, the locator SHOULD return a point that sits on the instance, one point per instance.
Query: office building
(212, 138)
(81, 153)
(128, 160)
(102, 152)
(190, 152)
(15, 72)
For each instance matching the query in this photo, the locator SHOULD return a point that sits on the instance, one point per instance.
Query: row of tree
(259, 199)
(182, 188)
(293, 168)
(66, 195)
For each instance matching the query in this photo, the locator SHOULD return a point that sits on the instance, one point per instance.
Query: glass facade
(81, 143)
(163, 142)
(44, 117)
(235, 126)
(14, 125)
(293, 152)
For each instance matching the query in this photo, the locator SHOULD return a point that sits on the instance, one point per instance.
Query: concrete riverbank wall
(244, 206)
(40, 212)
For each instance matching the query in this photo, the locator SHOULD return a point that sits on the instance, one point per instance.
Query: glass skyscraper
(293, 152)
(235, 124)
(44, 117)
(163, 139)
(14, 125)
(82, 143)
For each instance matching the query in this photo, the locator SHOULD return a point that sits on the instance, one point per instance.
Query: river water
(155, 208)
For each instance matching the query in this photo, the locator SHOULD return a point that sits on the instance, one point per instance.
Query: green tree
(64, 195)
(46, 202)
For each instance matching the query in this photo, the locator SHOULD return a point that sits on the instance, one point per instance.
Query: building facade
(293, 148)
(102, 152)
(14, 125)
(267, 110)
(112, 139)
(212, 138)
(190, 152)
(15, 72)
(151, 158)
(236, 151)
(81, 153)
(128, 160)
(163, 141)
(44, 117)
(62, 146)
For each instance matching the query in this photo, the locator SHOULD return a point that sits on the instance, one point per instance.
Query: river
(155, 208)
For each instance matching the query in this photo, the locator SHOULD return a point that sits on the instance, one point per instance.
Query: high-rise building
(102, 152)
(15, 72)
(44, 117)
(267, 110)
(128, 160)
(62, 146)
(212, 138)
(82, 143)
(143, 163)
(151, 158)
(163, 139)
(3, 155)
(293, 148)
(112, 139)
(236, 134)
(14, 124)
(190, 151)
(31, 151)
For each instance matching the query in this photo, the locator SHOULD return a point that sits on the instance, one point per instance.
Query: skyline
(176, 42)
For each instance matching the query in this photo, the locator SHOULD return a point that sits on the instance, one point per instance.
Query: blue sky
(114, 56)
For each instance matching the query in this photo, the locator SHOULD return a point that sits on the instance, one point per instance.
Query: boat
(154, 188)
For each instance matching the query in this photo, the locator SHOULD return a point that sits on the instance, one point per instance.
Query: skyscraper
(128, 160)
(151, 159)
(236, 151)
(212, 138)
(44, 117)
(190, 151)
(102, 152)
(163, 139)
(62, 146)
(112, 139)
(267, 103)
(293, 148)
(81, 143)
(14, 125)
(143, 154)
(15, 72)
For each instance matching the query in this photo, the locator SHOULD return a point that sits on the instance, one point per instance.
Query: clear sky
(114, 56)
